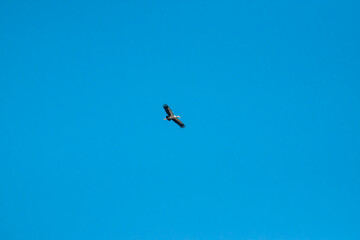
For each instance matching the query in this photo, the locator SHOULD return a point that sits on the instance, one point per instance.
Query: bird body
(170, 116)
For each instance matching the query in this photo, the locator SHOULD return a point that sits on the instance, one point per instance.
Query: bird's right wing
(178, 122)
(168, 110)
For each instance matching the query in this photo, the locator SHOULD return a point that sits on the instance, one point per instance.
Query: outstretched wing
(168, 110)
(178, 122)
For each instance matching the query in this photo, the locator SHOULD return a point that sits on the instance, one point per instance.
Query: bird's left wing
(178, 122)
(168, 110)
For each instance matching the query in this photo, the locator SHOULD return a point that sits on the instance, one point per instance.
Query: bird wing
(168, 110)
(178, 122)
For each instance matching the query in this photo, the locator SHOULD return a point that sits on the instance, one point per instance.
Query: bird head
(177, 116)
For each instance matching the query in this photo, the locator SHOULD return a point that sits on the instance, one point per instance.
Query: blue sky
(268, 90)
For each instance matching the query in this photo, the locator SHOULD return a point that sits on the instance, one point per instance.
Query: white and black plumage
(170, 116)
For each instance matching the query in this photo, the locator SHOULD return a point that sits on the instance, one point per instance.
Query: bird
(170, 116)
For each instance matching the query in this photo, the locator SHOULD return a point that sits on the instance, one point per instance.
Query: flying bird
(170, 116)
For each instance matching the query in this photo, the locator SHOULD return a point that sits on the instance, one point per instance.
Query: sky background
(269, 92)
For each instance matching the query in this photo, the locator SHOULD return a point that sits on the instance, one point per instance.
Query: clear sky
(269, 92)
